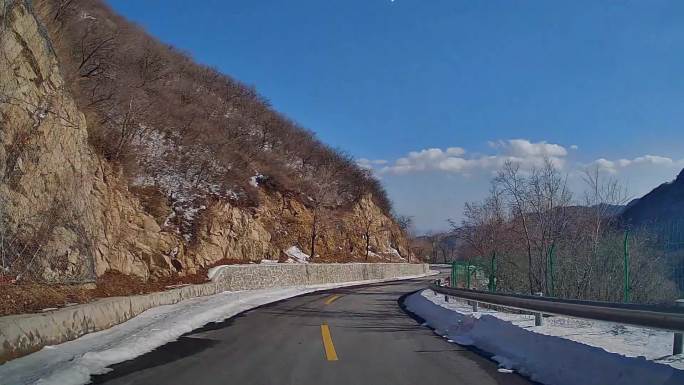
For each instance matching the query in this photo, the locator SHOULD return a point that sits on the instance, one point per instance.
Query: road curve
(346, 336)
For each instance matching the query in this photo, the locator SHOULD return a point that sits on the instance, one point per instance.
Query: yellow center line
(331, 299)
(330, 352)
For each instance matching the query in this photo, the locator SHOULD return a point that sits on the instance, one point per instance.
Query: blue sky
(398, 83)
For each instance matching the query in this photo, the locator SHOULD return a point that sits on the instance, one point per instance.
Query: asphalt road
(347, 336)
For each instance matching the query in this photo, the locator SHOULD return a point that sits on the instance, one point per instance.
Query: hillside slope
(118, 153)
(664, 204)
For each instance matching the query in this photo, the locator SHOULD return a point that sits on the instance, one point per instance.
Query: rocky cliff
(68, 213)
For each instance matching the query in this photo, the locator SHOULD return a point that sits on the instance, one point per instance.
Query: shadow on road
(173, 351)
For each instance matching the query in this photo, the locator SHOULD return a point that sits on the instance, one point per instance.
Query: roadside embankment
(26, 333)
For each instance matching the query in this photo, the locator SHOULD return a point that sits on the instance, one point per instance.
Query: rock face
(45, 164)
(67, 215)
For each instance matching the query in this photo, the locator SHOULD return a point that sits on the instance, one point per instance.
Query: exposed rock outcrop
(68, 215)
(45, 163)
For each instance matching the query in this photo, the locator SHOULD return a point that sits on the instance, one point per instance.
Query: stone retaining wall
(26, 333)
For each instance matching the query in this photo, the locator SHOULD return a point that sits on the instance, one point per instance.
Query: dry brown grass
(31, 297)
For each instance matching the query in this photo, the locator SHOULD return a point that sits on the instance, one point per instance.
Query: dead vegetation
(187, 130)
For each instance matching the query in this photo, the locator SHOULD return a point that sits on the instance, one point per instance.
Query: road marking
(330, 352)
(331, 299)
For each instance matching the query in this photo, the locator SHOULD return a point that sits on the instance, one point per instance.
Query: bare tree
(512, 183)
(370, 226)
(602, 195)
(94, 50)
(321, 199)
(405, 223)
(572, 251)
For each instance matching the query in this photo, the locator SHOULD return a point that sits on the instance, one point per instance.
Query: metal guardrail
(659, 317)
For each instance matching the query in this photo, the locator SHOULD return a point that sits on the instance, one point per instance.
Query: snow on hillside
(564, 351)
(187, 185)
(296, 255)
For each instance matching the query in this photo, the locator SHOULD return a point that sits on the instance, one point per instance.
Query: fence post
(538, 317)
(454, 278)
(552, 287)
(468, 274)
(678, 340)
(626, 289)
(492, 273)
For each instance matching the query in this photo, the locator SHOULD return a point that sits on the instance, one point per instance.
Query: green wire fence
(480, 272)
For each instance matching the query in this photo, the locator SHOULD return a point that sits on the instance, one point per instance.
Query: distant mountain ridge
(663, 204)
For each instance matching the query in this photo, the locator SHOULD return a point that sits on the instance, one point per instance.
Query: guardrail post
(538, 317)
(678, 340)
(475, 306)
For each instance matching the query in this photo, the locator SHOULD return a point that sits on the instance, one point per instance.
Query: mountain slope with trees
(540, 238)
(120, 154)
(664, 204)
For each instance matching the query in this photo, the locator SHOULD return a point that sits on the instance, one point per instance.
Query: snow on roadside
(73, 362)
(211, 273)
(564, 351)
(296, 256)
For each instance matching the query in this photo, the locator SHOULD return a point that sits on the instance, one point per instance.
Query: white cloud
(429, 159)
(455, 151)
(528, 154)
(655, 159)
(524, 148)
(454, 160)
(605, 165)
(419, 168)
(370, 163)
(645, 160)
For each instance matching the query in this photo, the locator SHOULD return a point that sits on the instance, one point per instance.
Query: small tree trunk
(313, 235)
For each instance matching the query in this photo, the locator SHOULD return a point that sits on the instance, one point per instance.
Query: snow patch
(375, 255)
(296, 256)
(211, 273)
(188, 185)
(254, 181)
(564, 351)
